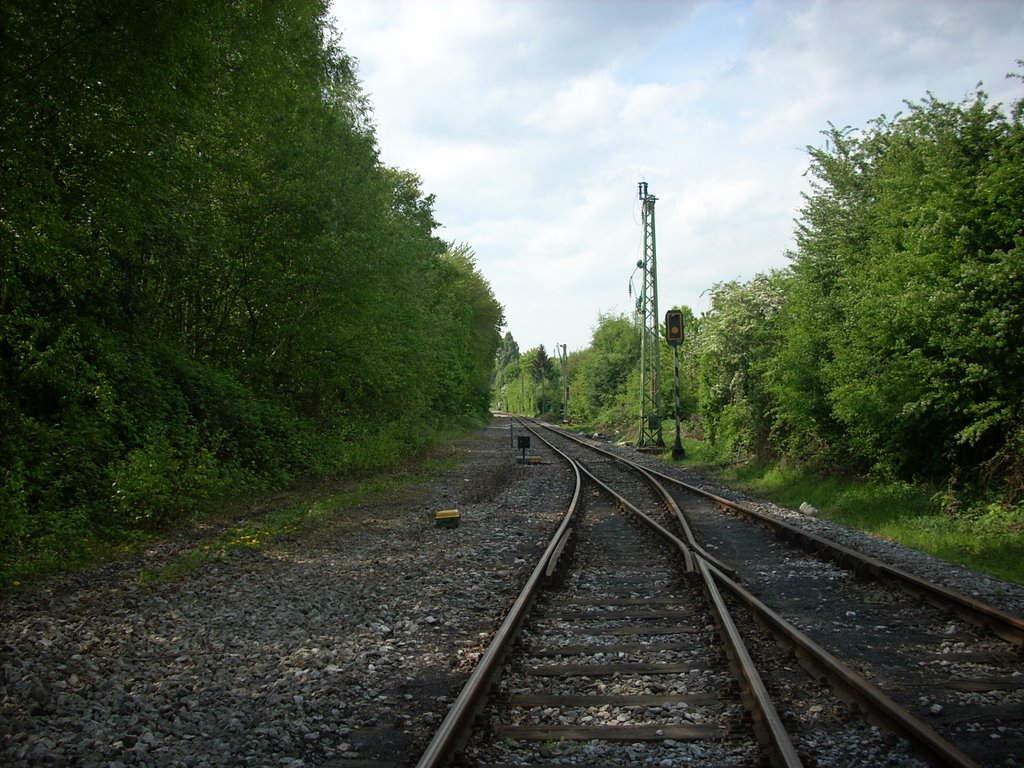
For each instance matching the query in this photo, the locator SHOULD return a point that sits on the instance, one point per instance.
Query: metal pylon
(650, 346)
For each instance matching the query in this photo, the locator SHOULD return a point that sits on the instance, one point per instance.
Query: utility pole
(650, 345)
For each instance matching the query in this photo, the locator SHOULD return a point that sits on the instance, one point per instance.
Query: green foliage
(506, 372)
(144, 483)
(208, 281)
(890, 348)
(525, 383)
(469, 337)
(986, 542)
(605, 378)
(986, 536)
(541, 367)
(542, 370)
(734, 345)
(927, 382)
(892, 343)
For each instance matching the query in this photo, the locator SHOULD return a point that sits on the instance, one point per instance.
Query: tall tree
(896, 346)
(204, 266)
(736, 342)
(606, 378)
(542, 369)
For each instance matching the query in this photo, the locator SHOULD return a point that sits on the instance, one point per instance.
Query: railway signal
(674, 327)
(674, 336)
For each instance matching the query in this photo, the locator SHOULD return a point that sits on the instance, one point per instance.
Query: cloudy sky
(532, 122)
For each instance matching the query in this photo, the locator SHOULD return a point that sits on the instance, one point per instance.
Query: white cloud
(532, 121)
(582, 109)
(715, 199)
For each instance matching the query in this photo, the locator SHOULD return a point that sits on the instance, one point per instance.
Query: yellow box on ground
(447, 518)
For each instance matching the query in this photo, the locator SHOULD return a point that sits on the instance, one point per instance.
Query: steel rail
(768, 726)
(666, 498)
(628, 506)
(1004, 624)
(933, 747)
(623, 502)
(454, 729)
(684, 524)
(936, 749)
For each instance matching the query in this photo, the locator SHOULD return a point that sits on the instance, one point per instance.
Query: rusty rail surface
(933, 747)
(1003, 624)
(454, 730)
(768, 727)
(772, 734)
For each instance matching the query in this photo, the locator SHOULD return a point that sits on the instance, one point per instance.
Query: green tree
(470, 332)
(905, 296)
(830, 237)
(506, 371)
(208, 280)
(737, 340)
(606, 378)
(542, 370)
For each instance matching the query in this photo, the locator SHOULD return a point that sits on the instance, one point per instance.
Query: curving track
(623, 649)
(949, 660)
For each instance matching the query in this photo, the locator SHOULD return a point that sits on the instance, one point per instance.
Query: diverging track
(634, 644)
(941, 657)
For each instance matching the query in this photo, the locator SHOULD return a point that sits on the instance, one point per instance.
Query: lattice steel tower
(650, 343)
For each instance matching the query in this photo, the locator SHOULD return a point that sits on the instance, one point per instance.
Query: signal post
(674, 336)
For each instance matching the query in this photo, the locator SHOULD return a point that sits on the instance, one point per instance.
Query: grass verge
(291, 518)
(984, 537)
(281, 514)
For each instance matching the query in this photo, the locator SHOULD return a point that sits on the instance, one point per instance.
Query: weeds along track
(953, 663)
(632, 646)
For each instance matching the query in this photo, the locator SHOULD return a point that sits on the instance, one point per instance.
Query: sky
(533, 121)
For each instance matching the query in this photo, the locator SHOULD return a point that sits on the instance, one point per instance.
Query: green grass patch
(383, 462)
(984, 537)
(988, 539)
(698, 453)
(66, 554)
(313, 510)
(226, 544)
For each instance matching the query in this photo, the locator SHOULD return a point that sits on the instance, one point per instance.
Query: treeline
(208, 280)
(894, 342)
(603, 380)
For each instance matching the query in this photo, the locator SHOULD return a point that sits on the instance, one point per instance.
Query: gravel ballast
(340, 646)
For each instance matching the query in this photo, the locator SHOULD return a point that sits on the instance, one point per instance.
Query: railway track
(951, 660)
(627, 648)
(624, 653)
